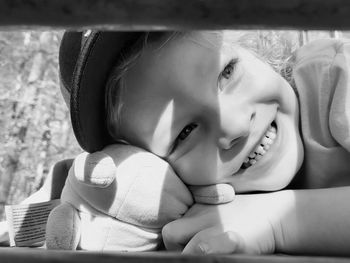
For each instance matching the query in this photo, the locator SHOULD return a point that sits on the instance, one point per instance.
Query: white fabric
(129, 212)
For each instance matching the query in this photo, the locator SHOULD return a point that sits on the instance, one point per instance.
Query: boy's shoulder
(320, 73)
(321, 50)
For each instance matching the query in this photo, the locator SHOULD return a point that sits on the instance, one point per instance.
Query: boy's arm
(319, 223)
(291, 221)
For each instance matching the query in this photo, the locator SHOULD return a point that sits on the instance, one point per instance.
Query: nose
(233, 128)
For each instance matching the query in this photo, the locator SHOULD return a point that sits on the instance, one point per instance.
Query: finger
(213, 194)
(177, 233)
(225, 243)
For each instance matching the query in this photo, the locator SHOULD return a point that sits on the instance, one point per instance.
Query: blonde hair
(273, 47)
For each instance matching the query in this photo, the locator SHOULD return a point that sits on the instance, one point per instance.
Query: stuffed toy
(119, 199)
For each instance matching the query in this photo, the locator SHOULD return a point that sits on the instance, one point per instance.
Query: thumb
(213, 194)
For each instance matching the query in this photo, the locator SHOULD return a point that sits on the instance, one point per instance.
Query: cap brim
(87, 103)
(68, 54)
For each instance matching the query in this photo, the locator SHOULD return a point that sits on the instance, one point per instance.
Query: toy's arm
(50, 190)
(53, 184)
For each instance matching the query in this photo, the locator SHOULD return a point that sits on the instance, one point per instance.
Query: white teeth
(266, 141)
(266, 147)
(252, 155)
(270, 140)
(272, 129)
(271, 135)
(262, 148)
(258, 157)
(252, 161)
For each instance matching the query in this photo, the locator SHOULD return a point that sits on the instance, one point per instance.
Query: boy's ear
(95, 169)
(213, 194)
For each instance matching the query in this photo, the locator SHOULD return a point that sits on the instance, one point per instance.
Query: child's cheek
(197, 168)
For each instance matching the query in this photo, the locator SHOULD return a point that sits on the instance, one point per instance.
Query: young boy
(218, 114)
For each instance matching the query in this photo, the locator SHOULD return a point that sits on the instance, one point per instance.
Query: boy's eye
(227, 72)
(185, 132)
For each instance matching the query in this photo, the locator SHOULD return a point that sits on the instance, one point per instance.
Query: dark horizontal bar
(35, 255)
(176, 14)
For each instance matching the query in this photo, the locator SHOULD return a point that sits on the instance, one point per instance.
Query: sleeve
(339, 115)
(321, 73)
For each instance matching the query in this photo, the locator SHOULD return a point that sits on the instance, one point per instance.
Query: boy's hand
(249, 224)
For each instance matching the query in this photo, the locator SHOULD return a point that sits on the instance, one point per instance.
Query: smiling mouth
(262, 148)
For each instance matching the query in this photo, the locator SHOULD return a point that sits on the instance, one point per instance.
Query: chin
(273, 182)
(276, 177)
(280, 182)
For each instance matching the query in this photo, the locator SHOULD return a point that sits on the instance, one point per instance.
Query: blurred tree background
(35, 130)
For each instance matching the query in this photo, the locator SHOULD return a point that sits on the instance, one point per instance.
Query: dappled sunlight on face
(168, 91)
(206, 106)
(164, 125)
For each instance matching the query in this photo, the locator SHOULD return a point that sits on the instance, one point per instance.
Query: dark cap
(85, 64)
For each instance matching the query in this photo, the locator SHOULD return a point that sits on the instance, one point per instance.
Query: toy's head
(117, 199)
(130, 185)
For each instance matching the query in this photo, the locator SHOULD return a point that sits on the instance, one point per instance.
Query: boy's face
(206, 107)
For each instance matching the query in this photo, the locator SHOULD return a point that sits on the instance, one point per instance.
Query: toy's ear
(95, 169)
(213, 194)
